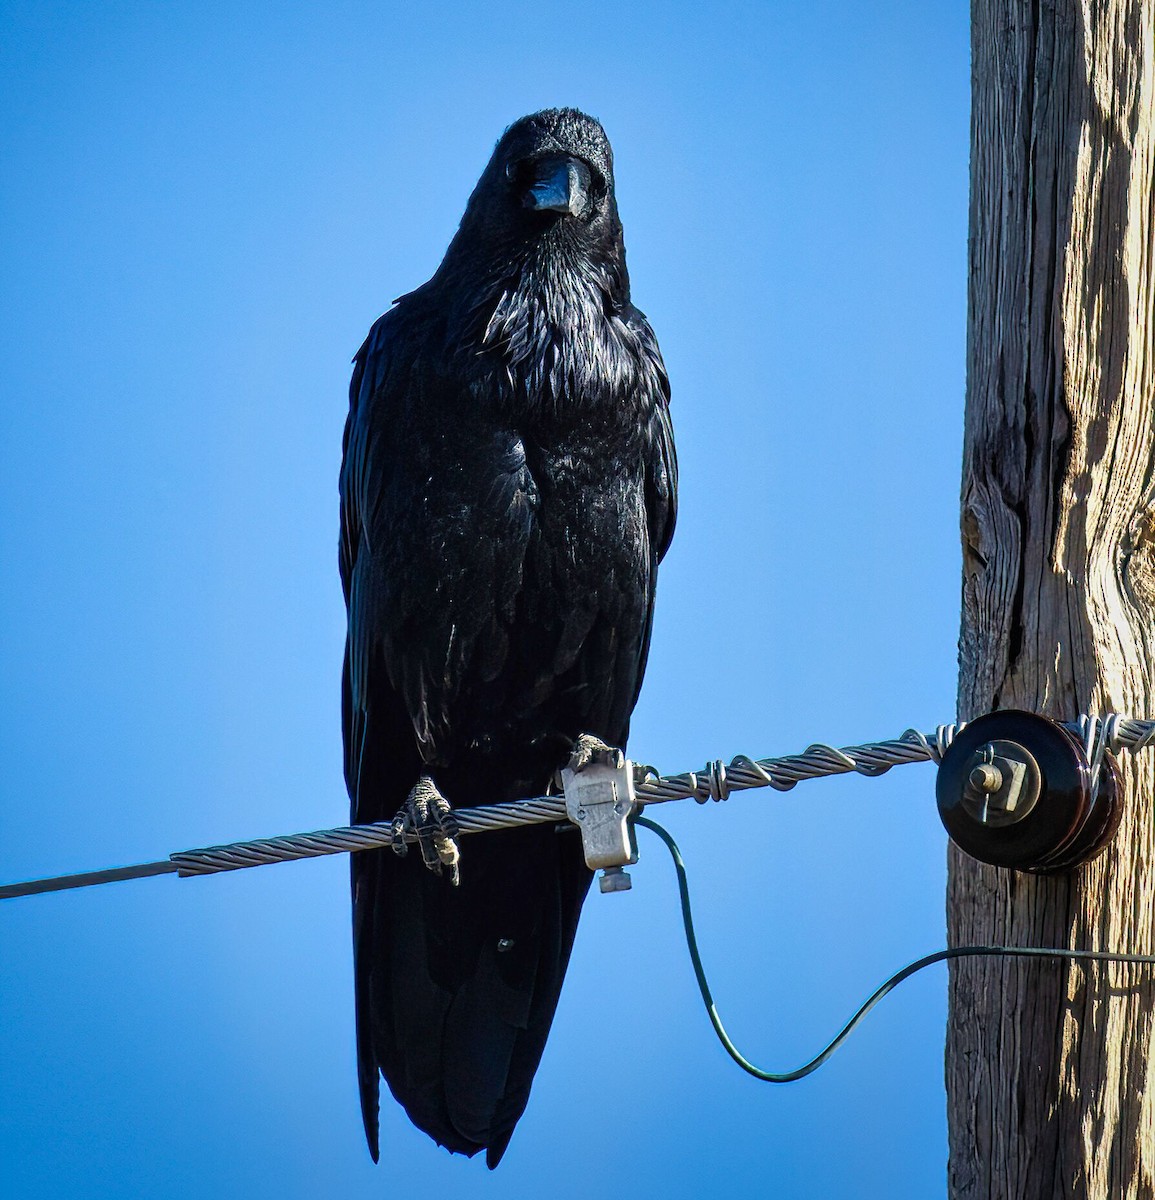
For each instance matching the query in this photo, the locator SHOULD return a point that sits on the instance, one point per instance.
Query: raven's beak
(560, 185)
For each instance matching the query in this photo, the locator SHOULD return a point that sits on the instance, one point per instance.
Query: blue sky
(205, 207)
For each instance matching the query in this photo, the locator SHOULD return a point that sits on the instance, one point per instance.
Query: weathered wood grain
(1049, 1067)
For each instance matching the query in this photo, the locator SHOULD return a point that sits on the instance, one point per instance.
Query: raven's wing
(661, 472)
(438, 510)
(457, 1028)
(370, 368)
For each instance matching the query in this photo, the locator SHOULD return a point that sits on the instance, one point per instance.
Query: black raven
(507, 491)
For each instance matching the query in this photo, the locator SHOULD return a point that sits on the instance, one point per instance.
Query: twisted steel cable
(716, 781)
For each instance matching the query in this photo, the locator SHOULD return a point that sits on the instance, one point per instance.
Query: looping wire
(917, 738)
(1098, 734)
(719, 788)
(1142, 740)
(696, 788)
(831, 755)
(710, 783)
(943, 736)
(741, 762)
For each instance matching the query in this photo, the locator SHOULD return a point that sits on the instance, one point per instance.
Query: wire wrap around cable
(955, 952)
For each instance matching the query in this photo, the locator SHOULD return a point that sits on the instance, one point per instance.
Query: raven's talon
(589, 749)
(445, 839)
(399, 828)
(427, 813)
(451, 857)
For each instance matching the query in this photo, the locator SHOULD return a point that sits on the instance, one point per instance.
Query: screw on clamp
(1015, 790)
(600, 801)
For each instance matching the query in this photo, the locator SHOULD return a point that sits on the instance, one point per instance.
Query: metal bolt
(614, 879)
(987, 777)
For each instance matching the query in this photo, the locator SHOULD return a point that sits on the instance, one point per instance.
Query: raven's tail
(457, 986)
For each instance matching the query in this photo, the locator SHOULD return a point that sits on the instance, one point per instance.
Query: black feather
(508, 488)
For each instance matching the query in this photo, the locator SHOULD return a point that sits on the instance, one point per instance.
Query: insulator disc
(1099, 826)
(1050, 834)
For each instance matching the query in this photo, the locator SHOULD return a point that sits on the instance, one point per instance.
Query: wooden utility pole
(1050, 1068)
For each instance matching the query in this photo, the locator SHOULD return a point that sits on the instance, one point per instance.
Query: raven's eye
(517, 175)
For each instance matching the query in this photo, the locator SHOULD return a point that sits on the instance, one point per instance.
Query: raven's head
(557, 167)
(533, 287)
(547, 192)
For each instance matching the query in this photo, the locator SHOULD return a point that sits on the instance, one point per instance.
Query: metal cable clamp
(600, 801)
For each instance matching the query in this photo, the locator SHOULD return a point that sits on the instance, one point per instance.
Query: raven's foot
(428, 814)
(589, 749)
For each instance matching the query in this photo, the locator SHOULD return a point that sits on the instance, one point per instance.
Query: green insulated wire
(888, 986)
